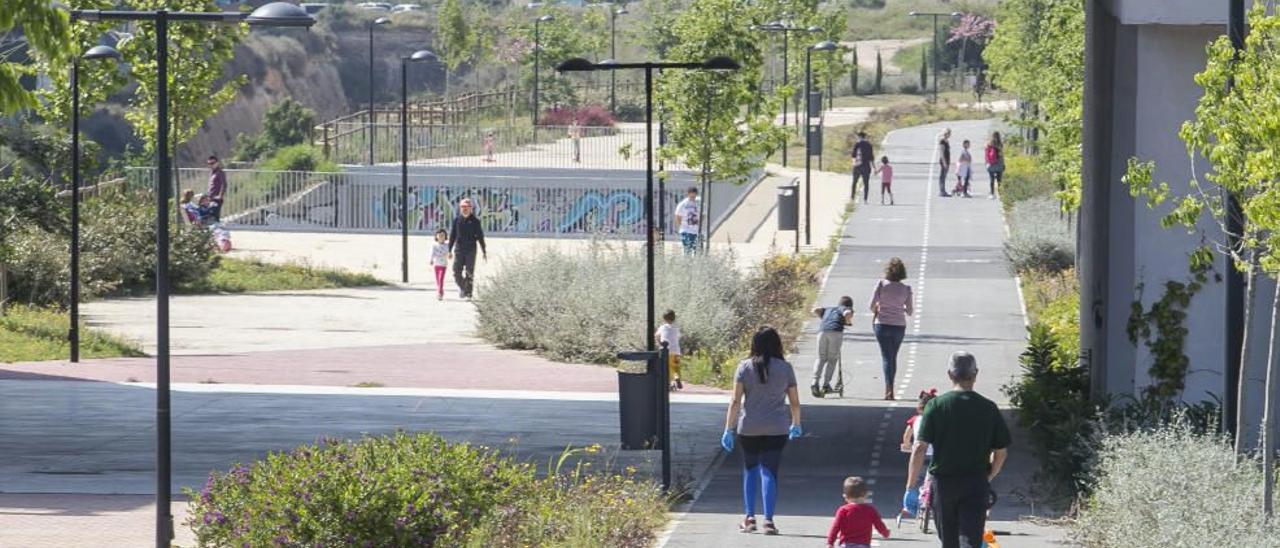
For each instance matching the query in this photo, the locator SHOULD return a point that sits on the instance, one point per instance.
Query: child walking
(964, 170)
(854, 521)
(886, 179)
(670, 334)
(440, 260)
(909, 436)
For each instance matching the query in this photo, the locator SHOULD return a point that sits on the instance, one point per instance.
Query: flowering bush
(590, 116)
(417, 490)
(589, 306)
(1172, 486)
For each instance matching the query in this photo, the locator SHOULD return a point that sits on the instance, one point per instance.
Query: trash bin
(638, 409)
(815, 104)
(815, 140)
(789, 206)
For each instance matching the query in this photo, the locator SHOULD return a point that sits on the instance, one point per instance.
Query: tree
(971, 29)
(879, 73)
(286, 123)
(561, 39)
(46, 30)
(455, 38)
(1235, 130)
(718, 121)
(924, 68)
(657, 35)
(1037, 53)
(853, 72)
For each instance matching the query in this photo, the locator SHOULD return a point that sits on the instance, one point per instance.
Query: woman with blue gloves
(763, 384)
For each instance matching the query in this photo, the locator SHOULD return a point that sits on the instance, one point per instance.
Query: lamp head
(815, 30)
(101, 52)
(913, 13)
(721, 63)
(280, 14)
(381, 21)
(545, 18)
(825, 45)
(957, 14)
(422, 56)
(576, 64)
(621, 11)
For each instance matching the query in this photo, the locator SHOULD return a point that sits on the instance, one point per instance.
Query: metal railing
(527, 203)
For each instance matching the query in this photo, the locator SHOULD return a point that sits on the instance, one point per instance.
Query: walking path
(965, 299)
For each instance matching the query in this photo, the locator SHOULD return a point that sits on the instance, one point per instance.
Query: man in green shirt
(970, 443)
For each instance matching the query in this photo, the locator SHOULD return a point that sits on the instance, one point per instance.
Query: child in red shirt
(854, 521)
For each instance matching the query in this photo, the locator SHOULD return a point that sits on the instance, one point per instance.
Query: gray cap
(963, 366)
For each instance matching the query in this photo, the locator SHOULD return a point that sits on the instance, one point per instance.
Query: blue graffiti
(593, 209)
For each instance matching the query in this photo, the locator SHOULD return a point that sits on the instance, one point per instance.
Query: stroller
(221, 236)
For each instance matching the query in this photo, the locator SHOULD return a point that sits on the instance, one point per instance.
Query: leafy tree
(561, 38)
(718, 121)
(970, 29)
(1235, 131)
(454, 36)
(657, 35)
(286, 123)
(46, 31)
(1038, 53)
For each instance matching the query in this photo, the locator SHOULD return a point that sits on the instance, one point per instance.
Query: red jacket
(853, 524)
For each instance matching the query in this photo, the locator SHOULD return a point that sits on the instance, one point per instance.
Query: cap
(963, 366)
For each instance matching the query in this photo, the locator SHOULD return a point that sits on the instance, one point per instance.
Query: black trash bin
(789, 206)
(638, 409)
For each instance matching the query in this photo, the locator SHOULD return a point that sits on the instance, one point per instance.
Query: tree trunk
(1269, 415)
(1245, 345)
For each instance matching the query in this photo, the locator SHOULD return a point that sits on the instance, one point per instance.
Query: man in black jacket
(463, 237)
(864, 158)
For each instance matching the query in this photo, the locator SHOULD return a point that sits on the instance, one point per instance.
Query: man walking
(829, 340)
(863, 160)
(944, 162)
(970, 443)
(217, 187)
(689, 220)
(465, 234)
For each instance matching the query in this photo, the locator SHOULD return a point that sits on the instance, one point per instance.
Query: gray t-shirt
(764, 408)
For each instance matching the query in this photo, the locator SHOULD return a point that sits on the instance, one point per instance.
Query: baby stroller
(221, 236)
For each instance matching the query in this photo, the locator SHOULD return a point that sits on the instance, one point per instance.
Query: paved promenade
(965, 299)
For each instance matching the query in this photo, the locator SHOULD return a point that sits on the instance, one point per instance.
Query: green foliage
(720, 120)
(286, 123)
(45, 29)
(240, 276)
(1024, 178)
(26, 203)
(877, 88)
(524, 305)
(657, 33)
(560, 38)
(1038, 54)
(40, 334)
(454, 37)
(417, 489)
(924, 69)
(304, 157)
(1166, 319)
(1160, 487)
(853, 73)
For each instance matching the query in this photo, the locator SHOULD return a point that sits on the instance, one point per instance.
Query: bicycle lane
(965, 298)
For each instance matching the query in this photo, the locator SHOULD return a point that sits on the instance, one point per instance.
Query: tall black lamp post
(537, 63)
(420, 56)
(370, 122)
(785, 29)
(934, 43)
(613, 54)
(583, 65)
(826, 45)
(95, 52)
(275, 14)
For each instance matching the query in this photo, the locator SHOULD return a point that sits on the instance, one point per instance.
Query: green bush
(1173, 486)
(286, 123)
(298, 158)
(117, 253)
(1039, 238)
(589, 306)
(1024, 178)
(416, 490)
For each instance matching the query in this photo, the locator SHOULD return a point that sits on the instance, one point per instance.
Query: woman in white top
(891, 304)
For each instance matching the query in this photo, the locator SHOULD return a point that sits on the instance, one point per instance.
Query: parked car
(383, 6)
(405, 7)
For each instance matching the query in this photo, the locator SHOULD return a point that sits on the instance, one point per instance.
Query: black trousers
(865, 175)
(960, 510)
(464, 270)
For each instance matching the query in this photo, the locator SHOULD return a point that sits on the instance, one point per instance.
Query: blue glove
(794, 432)
(911, 501)
(726, 441)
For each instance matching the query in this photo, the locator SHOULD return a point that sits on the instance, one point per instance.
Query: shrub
(1039, 238)
(415, 490)
(590, 116)
(298, 158)
(1054, 300)
(1171, 486)
(909, 88)
(629, 112)
(589, 306)
(1024, 177)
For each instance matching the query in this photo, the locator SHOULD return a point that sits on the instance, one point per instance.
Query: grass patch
(368, 384)
(245, 275)
(40, 334)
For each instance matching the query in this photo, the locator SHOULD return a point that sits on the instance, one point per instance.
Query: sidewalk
(965, 299)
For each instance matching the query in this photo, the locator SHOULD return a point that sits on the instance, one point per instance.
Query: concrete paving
(966, 298)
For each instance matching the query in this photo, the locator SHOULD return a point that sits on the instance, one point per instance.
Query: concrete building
(1141, 57)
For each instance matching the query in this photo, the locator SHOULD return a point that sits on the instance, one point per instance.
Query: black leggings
(997, 178)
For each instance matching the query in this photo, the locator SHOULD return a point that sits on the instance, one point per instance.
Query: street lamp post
(372, 130)
(419, 56)
(583, 65)
(275, 14)
(933, 44)
(537, 64)
(785, 29)
(808, 134)
(613, 54)
(96, 52)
